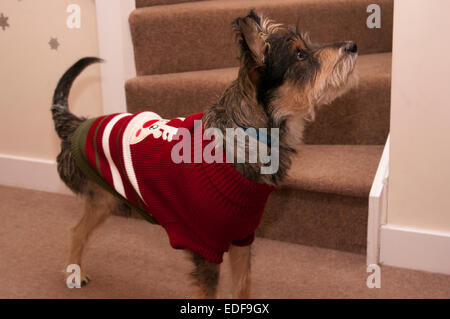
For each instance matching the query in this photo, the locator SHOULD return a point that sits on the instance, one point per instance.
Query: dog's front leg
(240, 271)
(206, 277)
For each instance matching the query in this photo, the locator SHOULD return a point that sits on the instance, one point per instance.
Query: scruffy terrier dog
(283, 78)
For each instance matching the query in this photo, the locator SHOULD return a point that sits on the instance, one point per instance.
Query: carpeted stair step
(197, 35)
(186, 56)
(359, 117)
(324, 202)
(346, 170)
(150, 3)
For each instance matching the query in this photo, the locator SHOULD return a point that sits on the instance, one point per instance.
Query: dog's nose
(351, 47)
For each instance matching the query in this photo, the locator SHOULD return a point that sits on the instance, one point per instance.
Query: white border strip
(116, 178)
(135, 124)
(116, 47)
(415, 248)
(31, 173)
(377, 207)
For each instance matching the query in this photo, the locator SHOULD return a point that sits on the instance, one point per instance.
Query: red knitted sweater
(203, 207)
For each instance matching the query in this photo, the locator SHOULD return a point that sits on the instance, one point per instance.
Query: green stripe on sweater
(97, 158)
(78, 152)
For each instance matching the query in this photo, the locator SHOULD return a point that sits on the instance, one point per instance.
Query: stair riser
(176, 97)
(359, 117)
(316, 219)
(197, 36)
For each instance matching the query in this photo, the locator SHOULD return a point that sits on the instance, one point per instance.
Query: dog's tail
(66, 122)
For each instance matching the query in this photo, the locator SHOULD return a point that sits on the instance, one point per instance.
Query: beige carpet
(129, 258)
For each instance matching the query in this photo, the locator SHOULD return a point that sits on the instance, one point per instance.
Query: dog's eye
(153, 127)
(302, 55)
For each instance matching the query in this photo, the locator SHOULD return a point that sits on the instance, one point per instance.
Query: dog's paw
(71, 281)
(85, 280)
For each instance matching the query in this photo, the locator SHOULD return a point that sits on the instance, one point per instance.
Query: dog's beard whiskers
(340, 79)
(341, 72)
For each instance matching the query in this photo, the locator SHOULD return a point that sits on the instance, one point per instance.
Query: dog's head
(287, 71)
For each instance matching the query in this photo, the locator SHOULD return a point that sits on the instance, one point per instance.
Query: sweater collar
(255, 133)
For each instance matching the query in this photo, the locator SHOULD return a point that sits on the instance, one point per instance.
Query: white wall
(419, 182)
(29, 71)
(417, 234)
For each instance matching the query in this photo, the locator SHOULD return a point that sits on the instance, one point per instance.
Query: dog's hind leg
(98, 205)
(206, 277)
(240, 271)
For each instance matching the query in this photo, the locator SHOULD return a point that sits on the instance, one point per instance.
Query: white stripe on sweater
(117, 179)
(132, 127)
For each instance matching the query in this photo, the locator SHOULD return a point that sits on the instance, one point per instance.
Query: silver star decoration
(3, 22)
(54, 44)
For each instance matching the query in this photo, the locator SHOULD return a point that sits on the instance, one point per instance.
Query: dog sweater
(204, 207)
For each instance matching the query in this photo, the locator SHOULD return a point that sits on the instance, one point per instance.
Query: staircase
(185, 57)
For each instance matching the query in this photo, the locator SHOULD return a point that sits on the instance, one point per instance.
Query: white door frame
(116, 48)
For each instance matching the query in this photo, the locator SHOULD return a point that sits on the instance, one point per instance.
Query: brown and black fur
(282, 79)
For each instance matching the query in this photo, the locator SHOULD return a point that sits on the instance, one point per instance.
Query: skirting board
(413, 248)
(31, 173)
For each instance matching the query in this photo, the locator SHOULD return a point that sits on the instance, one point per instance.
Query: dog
(283, 78)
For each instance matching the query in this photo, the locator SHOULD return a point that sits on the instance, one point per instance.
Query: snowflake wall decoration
(3, 22)
(54, 44)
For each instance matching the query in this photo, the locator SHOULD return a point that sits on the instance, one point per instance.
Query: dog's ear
(250, 36)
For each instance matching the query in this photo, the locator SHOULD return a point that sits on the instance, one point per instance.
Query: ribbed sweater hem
(181, 238)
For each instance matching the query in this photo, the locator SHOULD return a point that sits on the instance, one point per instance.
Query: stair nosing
(185, 73)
